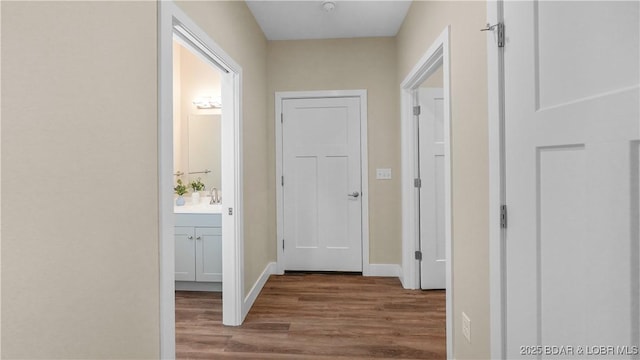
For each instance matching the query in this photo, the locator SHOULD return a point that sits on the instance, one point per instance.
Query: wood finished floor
(315, 316)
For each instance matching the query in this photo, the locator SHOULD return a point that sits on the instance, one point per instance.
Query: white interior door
(572, 160)
(322, 184)
(431, 155)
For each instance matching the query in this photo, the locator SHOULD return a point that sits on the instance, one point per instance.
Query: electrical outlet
(466, 327)
(383, 174)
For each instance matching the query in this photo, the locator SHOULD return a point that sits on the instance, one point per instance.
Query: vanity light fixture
(328, 5)
(207, 102)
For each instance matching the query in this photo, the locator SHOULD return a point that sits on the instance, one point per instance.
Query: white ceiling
(293, 20)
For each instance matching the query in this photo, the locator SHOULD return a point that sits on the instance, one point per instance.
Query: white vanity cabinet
(198, 248)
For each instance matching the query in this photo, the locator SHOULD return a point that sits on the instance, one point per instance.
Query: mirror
(196, 128)
(204, 150)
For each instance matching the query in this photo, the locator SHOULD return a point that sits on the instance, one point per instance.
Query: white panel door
(571, 137)
(322, 184)
(431, 154)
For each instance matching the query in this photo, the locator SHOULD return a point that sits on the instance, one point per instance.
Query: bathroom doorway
(197, 109)
(175, 24)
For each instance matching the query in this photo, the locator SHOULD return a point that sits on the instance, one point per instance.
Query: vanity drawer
(211, 220)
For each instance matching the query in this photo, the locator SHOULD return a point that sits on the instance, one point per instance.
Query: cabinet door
(208, 254)
(185, 253)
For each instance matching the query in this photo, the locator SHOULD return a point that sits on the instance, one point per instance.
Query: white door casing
(432, 160)
(171, 17)
(436, 56)
(322, 184)
(572, 110)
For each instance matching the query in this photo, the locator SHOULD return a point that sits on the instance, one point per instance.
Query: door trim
(495, 98)
(169, 15)
(364, 169)
(436, 54)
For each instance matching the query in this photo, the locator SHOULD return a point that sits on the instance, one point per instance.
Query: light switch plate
(383, 174)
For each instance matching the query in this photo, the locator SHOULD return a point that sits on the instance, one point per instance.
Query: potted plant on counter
(180, 190)
(197, 186)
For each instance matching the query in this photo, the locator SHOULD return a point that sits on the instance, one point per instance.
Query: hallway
(314, 316)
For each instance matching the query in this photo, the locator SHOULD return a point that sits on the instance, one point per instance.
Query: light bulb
(329, 5)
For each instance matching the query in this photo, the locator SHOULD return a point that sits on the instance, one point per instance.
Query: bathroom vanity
(198, 246)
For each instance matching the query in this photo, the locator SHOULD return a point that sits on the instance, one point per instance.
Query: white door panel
(576, 59)
(321, 167)
(572, 114)
(304, 185)
(431, 145)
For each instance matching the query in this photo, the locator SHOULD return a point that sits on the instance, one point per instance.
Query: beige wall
(232, 26)
(79, 180)
(346, 64)
(81, 280)
(425, 21)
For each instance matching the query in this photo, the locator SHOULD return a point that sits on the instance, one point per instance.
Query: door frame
(497, 235)
(280, 96)
(437, 54)
(170, 15)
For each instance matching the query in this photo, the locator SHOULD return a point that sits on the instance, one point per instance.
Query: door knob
(190, 238)
(198, 238)
(355, 194)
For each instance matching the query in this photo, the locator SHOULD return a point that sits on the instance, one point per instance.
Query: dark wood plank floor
(315, 316)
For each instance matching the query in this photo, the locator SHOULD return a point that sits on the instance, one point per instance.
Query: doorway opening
(429, 102)
(175, 24)
(426, 176)
(197, 109)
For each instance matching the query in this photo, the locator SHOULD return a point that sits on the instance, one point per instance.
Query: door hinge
(503, 216)
(282, 180)
(230, 211)
(281, 118)
(416, 110)
(417, 183)
(418, 255)
(282, 244)
(500, 28)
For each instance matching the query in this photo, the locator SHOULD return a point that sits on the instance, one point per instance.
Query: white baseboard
(401, 276)
(251, 297)
(385, 270)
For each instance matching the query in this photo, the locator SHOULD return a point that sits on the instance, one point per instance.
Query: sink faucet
(214, 196)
